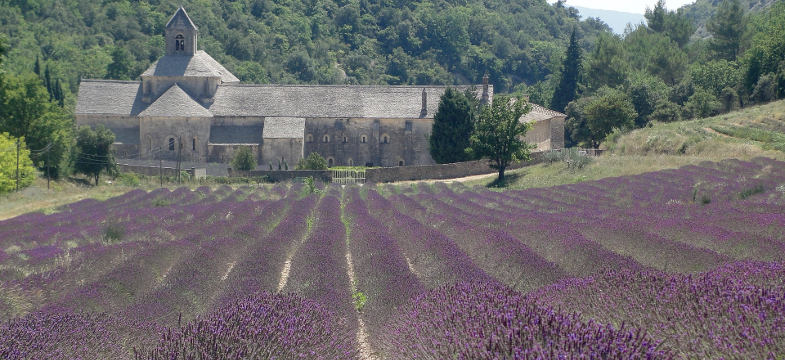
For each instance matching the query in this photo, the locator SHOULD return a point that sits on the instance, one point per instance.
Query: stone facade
(187, 105)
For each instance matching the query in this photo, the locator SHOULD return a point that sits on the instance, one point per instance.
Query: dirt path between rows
(462, 179)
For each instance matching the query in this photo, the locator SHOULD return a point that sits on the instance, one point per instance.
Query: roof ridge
(175, 90)
(110, 81)
(178, 11)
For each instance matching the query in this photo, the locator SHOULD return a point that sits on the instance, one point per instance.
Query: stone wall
(156, 132)
(365, 141)
(224, 153)
(322, 175)
(273, 150)
(156, 171)
(440, 171)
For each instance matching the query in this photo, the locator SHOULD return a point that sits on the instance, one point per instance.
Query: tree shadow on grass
(509, 178)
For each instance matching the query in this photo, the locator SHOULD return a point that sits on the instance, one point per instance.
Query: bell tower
(181, 34)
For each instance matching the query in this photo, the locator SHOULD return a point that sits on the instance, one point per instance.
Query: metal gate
(345, 177)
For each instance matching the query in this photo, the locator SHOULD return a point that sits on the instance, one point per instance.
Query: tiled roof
(200, 64)
(176, 102)
(234, 134)
(109, 97)
(539, 113)
(180, 18)
(326, 101)
(283, 128)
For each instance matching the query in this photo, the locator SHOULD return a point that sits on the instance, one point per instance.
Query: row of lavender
(202, 270)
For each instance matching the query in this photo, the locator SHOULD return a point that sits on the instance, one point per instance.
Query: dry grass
(667, 146)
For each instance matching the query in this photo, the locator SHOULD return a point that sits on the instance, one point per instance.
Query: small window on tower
(179, 43)
(171, 144)
(309, 138)
(326, 138)
(193, 144)
(385, 139)
(364, 139)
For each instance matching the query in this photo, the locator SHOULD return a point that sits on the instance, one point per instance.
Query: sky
(631, 6)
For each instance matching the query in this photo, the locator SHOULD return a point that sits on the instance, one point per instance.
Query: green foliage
(113, 232)
(675, 25)
(570, 72)
(120, 67)
(310, 186)
(244, 159)
(26, 111)
(765, 89)
(575, 127)
(757, 189)
(8, 164)
(313, 161)
(453, 124)
(128, 179)
(432, 41)
(656, 54)
(646, 92)
(702, 104)
(715, 75)
(609, 109)
(92, 153)
(498, 133)
(607, 64)
(727, 27)
(359, 299)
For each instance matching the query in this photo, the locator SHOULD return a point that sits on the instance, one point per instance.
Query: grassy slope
(744, 134)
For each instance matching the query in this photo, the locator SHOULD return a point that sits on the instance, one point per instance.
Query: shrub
(113, 232)
(128, 179)
(765, 90)
(314, 161)
(244, 159)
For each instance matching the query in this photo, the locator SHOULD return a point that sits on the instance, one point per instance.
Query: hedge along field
(685, 263)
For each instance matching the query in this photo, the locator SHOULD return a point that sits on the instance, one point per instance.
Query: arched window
(179, 43)
(330, 162)
(171, 144)
(364, 139)
(345, 140)
(350, 162)
(400, 163)
(385, 139)
(326, 138)
(309, 138)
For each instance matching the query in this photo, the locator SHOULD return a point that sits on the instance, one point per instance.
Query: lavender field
(686, 263)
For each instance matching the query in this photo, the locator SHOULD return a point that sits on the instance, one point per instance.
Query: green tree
(655, 18)
(609, 109)
(93, 153)
(244, 159)
(576, 130)
(453, 124)
(8, 148)
(607, 65)
(120, 67)
(645, 92)
(716, 75)
(27, 112)
(314, 161)
(498, 134)
(571, 69)
(727, 27)
(702, 104)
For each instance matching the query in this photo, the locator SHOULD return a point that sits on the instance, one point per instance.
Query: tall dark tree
(498, 134)
(93, 152)
(571, 69)
(48, 82)
(453, 124)
(727, 27)
(37, 66)
(655, 18)
(120, 66)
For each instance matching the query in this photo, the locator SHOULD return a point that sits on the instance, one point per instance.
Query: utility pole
(18, 144)
(47, 168)
(179, 153)
(161, 171)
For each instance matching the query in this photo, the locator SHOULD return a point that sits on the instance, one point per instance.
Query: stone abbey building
(188, 103)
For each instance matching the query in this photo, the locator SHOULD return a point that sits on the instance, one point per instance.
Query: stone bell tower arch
(181, 34)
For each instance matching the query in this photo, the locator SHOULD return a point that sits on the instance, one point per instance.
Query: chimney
(485, 97)
(424, 109)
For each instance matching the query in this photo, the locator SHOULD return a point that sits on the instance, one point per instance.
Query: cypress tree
(571, 68)
(48, 82)
(37, 66)
(452, 126)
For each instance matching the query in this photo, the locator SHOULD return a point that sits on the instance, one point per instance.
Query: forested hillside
(301, 41)
(702, 10)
